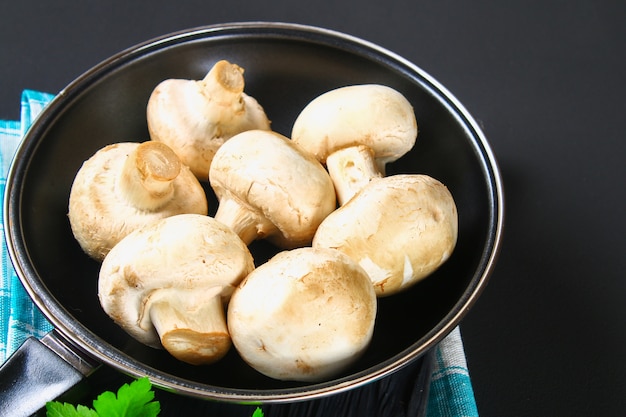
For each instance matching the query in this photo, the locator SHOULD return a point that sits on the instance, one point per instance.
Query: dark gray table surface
(546, 80)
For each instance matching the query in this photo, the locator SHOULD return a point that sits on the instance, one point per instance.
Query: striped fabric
(450, 393)
(19, 317)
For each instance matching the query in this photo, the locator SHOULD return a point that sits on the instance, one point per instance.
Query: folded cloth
(450, 393)
(19, 317)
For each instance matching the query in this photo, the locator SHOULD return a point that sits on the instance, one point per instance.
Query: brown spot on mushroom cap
(305, 368)
(400, 229)
(131, 278)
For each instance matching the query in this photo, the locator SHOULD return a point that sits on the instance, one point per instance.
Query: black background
(545, 79)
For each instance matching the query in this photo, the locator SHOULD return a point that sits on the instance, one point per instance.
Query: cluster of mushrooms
(174, 277)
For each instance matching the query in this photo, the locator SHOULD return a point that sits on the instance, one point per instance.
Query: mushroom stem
(351, 169)
(147, 178)
(224, 83)
(248, 223)
(191, 325)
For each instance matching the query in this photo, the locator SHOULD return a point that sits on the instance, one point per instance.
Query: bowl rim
(94, 346)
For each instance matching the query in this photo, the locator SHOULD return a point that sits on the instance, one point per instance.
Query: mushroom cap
(373, 115)
(178, 259)
(399, 228)
(195, 117)
(304, 315)
(270, 175)
(100, 215)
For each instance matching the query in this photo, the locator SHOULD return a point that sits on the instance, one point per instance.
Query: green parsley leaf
(134, 400)
(57, 409)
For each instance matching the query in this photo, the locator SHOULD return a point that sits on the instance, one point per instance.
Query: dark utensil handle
(40, 371)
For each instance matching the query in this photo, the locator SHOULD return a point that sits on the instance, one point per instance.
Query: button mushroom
(269, 188)
(399, 228)
(304, 315)
(166, 285)
(126, 185)
(195, 117)
(370, 124)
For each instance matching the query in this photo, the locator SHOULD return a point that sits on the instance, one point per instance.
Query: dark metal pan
(286, 66)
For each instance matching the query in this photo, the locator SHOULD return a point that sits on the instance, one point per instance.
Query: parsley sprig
(132, 400)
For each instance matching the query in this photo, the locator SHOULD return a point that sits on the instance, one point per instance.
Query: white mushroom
(167, 284)
(305, 315)
(195, 117)
(399, 228)
(125, 186)
(356, 130)
(269, 188)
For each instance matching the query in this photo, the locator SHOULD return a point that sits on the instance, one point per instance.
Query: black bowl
(286, 66)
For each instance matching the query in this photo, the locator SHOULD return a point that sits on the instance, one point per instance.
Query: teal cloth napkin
(450, 394)
(19, 317)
